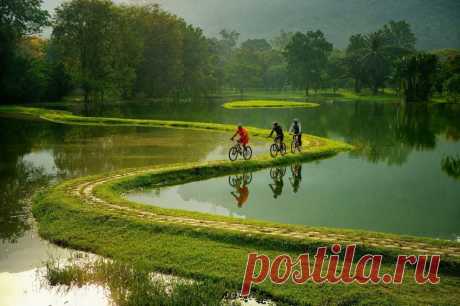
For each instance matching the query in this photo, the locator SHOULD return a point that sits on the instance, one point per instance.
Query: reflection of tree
(18, 179)
(413, 126)
(15, 189)
(451, 165)
(372, 130)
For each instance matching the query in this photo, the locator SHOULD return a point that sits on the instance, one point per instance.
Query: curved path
(85, 192)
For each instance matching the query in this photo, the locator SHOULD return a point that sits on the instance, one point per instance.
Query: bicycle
(295, 144)
(276, 173)
(245, 178)
(239, 150)
(278, 147)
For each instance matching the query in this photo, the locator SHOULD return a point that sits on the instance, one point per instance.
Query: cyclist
(296, 129)
(241, 193)
(296, 177)
(278, 130)
(278, 184)
(243, 134)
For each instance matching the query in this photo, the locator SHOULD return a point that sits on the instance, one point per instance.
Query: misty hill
(435, 22)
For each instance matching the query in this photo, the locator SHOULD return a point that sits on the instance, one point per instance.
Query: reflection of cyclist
(241, 193)
(277, 185)
(296, 129)
(278, 130)
(243, 134)
(296, 177)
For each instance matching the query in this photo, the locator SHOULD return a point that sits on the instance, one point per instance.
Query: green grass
(341, 95)
(205, 255)
(267, 104)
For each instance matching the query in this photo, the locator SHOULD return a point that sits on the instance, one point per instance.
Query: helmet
(296, 120)
(275, 123)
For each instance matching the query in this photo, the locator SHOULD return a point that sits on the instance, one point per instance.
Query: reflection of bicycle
(245, 178)
(296, 171)
(277, 172)
(295, 144)
(277, 147)
(277, 175)
(239, 150)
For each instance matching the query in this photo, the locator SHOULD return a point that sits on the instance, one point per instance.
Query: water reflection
(451, 166)
(296, 178)
(385, 133)
(277, 175)
(240, 184)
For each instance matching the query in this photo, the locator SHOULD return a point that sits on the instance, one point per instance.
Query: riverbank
(340, 95)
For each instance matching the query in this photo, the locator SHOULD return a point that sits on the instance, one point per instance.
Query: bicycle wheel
(273, 150)
(247, 153)
(283, 149)
(282, 171)
(232, 180)
(273, 173)
(293, 146)
(233, 153)
(247, 178)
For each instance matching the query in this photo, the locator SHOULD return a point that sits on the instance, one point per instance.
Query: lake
(394, 182)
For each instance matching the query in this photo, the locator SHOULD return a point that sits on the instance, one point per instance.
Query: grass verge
(268, 104)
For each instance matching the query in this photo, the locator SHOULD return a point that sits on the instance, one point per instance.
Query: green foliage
(416, 74)
(452, 87)
(268, 104)
(307, 56)
(370, 58)
(21, 74)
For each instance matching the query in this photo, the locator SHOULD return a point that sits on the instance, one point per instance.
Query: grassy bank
(341, 95)
(268, 104)
(210, 254)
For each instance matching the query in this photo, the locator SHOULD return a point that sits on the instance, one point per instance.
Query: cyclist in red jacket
(243, 134)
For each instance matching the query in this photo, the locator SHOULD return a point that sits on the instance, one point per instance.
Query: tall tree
(85, 31)
(17, 19)
(307, 56)
(417, 74)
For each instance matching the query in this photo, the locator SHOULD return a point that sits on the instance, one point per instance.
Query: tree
(282, 40)
(416, 74)
(353, 60)
(399, 35)
(370, 57)
(17, 19)
(336, 70)
(452, 87)
(375, 59)
(307, 55)
(256, 45)
(85, 32)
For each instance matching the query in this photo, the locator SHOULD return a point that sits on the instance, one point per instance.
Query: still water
(397, 181)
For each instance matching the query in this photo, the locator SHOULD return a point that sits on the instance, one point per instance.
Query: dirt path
(85, 192)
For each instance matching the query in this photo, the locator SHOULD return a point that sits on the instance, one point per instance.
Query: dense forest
(105, 50)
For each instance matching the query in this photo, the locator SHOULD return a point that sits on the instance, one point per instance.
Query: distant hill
(435, 22)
